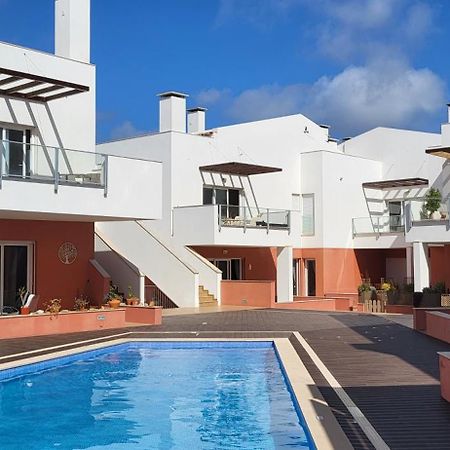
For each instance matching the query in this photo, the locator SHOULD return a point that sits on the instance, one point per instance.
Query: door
(16, 144)
(310, 277)
(15, 273)
(231, 268)
(395, 216)
(295, 276)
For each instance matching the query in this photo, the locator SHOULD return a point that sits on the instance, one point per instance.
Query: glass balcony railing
(245, 217)
(378, 225)
(59, 166)
(417, 211)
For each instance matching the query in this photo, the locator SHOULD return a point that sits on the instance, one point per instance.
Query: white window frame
(313, 215)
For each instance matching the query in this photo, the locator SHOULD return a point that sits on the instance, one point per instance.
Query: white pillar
(285, 290)
(142, 289)
(421, 267)
(409, 264)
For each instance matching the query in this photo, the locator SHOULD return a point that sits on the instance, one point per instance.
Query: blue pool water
(184, 396)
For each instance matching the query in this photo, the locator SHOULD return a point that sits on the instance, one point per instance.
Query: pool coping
(323, 427)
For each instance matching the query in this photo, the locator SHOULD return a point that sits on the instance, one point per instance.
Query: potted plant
(432, 296)
(114, 298)
(53, 306)
(433, 200)
(81, 303)
(132, 300)
(365, 292)
(23, 296)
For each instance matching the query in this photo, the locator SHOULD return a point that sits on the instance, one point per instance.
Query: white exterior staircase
(179, 272)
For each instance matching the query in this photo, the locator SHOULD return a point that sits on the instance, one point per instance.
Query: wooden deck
(390, 371)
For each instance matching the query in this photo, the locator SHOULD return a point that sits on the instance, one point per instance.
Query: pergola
(401, 183)
(238, 168)
(26, 86)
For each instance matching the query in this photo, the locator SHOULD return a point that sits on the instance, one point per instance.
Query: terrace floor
(389, 371)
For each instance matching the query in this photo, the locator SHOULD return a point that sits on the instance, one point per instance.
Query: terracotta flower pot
(133, 301)
(24, 310)
(114, 303)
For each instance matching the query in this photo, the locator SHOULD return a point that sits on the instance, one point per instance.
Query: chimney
(172, 111)
(73, 29)
(196, 118)
(448, 112)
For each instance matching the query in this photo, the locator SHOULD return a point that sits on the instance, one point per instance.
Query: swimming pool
(153, 395)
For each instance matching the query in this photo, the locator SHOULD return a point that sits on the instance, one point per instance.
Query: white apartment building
(53, 184)
(273, 210)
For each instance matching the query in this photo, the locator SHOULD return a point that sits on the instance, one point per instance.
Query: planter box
(430, 300)
(151, 315)
(75, 322)
(444, 370)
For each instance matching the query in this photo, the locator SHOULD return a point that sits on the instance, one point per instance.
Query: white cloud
(125, 130)
(210, 97)
(356, 99)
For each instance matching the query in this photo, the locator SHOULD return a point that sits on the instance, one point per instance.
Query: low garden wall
(76, 321)
(257, 293)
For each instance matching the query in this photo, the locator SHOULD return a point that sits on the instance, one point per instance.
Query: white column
(285, 290)
(142, 288)
(421, 267)
(409, 264)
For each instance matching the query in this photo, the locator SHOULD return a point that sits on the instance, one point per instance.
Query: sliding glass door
(227, 197)
(231, 268)
(16, 152)
(16, 272)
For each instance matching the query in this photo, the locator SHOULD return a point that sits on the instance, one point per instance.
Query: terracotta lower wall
(440, 265)
(53, 279)
(258, 263)
(256, 293)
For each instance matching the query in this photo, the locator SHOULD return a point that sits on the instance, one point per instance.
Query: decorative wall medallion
(67, 253)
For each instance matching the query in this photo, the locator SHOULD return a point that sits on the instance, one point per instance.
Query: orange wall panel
(53, 279)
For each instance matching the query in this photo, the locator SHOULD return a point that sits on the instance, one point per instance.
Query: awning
(238, 168)
(26, 86)
(402, 183)
(443, 152)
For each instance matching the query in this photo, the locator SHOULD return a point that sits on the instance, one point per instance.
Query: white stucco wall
(66, 122)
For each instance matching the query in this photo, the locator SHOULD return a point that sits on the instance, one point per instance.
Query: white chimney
(196, 118)
(73, 29)
(172, 111)
(448, 112)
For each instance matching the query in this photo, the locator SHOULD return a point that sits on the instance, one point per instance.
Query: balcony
(377, 225)
(52, 165)
(43, 182)
(235, 225)
(423, 227)
(378, 231)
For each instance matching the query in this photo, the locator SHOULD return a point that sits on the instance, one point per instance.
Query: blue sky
(353, 64)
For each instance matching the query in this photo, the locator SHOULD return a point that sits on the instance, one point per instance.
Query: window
(229, 198)
(231, 268)
(308, 215)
